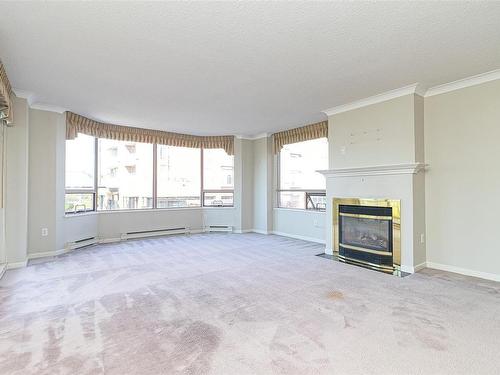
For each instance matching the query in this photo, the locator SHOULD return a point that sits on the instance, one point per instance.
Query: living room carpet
(240, 304)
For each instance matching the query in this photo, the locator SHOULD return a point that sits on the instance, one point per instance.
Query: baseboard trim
(241, 231)
(463, 271)
(299, 237)
(14, 265)
(411, 269)
(3, 268)
(260, 231)
(45, 254)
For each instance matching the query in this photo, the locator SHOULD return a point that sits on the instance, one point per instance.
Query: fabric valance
(304, 133)
(79, 124)
(5, 97)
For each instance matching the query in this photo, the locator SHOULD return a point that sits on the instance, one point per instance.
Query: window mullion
(201, 178)
(96, 170)
(155, 175)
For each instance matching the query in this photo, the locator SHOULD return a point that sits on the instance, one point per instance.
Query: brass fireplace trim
(395, 204)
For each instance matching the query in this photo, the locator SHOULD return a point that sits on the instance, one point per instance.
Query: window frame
(203, 190)
(94, 190)
(308, 192)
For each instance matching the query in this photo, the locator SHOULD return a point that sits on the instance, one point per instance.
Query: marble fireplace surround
(405, 182)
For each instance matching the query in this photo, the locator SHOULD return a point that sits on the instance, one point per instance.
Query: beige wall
(42, 189)
(16, 185)
(382, 133)
(386, 133)
(262, 185)
(304, 224)
(247, 185)
(462, 133)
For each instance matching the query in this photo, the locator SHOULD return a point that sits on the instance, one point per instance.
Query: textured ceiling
(237, 68)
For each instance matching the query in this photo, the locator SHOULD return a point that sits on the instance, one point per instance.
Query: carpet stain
(335, 295)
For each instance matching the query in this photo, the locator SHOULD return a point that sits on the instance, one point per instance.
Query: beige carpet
(240, 304)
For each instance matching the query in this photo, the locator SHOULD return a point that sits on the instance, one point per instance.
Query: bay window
(299, 185)
(106, 175)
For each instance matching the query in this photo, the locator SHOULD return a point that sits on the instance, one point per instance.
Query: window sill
(298, 210)
(91, 213)
(146, 210)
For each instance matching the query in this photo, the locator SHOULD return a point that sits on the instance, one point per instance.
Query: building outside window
(218, 178)
(178, 177)
(80, 165)
(132, 175)
(125, 179)
(299, 185)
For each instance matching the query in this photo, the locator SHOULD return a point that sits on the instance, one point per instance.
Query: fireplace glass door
(366, 233)
(365, 236)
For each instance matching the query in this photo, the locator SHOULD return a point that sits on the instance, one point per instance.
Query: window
(218, 177)
(105, 175)
(300, 186)
(125, 179)
(80, 177)
(178, 176)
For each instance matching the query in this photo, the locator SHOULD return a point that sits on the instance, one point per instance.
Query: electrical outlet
(315, 223)
(422, 238)
(45, 232)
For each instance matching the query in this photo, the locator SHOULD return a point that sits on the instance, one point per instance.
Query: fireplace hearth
(367, 233)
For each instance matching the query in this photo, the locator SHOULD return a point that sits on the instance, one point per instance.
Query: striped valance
(5, 96)
(304, 133)
(79, 124)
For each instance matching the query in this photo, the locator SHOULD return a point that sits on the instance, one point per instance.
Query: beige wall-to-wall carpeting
(240, 304)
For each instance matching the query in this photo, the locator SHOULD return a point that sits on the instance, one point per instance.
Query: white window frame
(308, 192)
(94, 190)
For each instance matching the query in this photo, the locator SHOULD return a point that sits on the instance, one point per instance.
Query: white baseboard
(328, 251)
(109, 240)
(410, 269)
(3, 268)
(14, 265)
(464, 271)
(241, 231)
(260, 231)
(45, 254)
(298, 237)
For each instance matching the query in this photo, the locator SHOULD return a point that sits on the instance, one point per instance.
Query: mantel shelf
(375, 170)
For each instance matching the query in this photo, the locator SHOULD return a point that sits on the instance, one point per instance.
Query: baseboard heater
(81, 243)
(154, 233)
(219, 228)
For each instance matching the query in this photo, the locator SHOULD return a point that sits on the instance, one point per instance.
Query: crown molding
(24, 94)
(375, 170)
(33, 104)
(48, 107)
(463, 83)
(253, 137)
(415, 88)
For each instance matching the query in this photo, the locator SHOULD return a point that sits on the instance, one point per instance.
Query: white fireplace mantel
(375, 170)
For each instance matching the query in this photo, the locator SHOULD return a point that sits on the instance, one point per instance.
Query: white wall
(304, 224)
(462, 133)
(16, 185)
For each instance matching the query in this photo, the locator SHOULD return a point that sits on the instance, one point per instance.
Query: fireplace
(367, 233)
